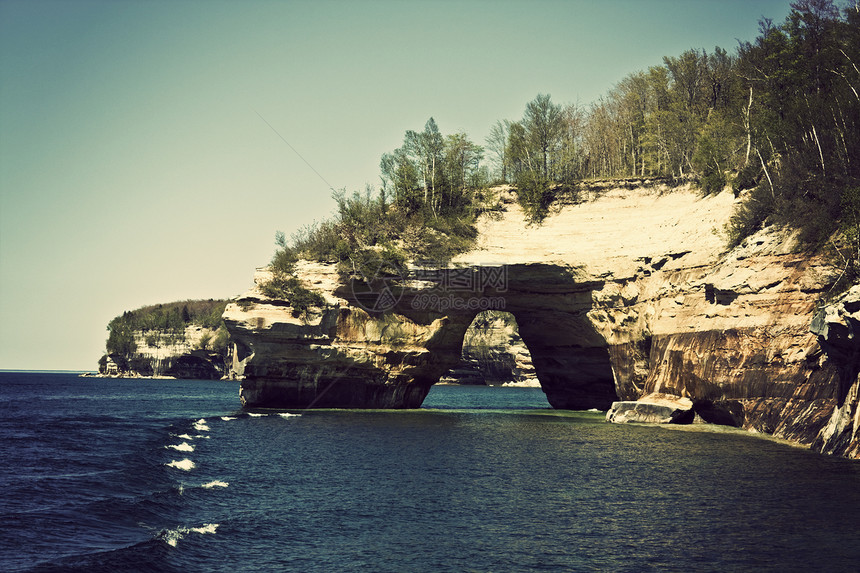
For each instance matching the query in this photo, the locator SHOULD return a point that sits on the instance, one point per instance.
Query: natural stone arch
(344, 356)
(551, 305)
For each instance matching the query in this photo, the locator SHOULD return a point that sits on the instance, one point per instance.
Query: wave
(149, 556)
(183, 447)
(228, 418)
(255, 415)
(215, 483)
(201, 426)
(288, 415)
(183, 436)
(172, 536)
(186, 464)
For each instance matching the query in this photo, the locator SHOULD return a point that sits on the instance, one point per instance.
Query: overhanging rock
(349, 355)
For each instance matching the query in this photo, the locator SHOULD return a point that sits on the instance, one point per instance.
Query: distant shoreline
(26, 371)
(129, 376)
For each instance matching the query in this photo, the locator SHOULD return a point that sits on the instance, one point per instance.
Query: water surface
(156, 475)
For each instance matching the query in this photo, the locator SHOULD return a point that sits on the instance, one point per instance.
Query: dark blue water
(481, 479)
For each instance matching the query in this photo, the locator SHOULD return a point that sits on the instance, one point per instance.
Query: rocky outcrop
(734, 337)
(837, 326)
(619, 299)
(653, 409)
(345, 355)
(166, 354)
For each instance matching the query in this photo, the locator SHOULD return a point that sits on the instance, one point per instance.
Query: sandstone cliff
(628, 296)
(182, 339)
(164, 354)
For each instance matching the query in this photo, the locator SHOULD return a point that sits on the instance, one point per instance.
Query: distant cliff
(185, 339)
(627, 302)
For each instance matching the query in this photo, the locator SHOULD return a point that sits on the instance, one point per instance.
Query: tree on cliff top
(425, 209)
(120, 338)
(803, 117)
(543, 122)
(170, 318)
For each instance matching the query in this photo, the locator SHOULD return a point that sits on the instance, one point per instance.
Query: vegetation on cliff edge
(778, 121)
(165, 324)
(432, 191)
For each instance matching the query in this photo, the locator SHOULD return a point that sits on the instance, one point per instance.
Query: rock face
(838, 327)
(623, 298)
(163, 354)
(344, 356)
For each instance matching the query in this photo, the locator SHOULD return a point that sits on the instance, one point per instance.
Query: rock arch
(345, 356)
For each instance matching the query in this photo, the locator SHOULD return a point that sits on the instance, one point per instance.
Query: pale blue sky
(134, 168)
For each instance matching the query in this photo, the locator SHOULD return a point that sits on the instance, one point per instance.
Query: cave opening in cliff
(494, 354)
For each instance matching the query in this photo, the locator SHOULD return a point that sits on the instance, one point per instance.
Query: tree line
(163, 323)
(778, 120)
(781, 116)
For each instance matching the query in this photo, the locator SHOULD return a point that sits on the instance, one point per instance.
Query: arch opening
(493, 354)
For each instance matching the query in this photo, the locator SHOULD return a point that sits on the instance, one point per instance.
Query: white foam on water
(208, 528)
(253, 415)
(184, 437)
(216, 483)
(172, 536)
(201, 426)
(186, 465)
(183, 447)
(228, 418)
(288, 415)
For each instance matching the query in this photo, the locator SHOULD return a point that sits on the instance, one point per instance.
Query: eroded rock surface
(344, 356)
(837, 326)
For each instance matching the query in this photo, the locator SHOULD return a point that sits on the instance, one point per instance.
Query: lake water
(156, 475)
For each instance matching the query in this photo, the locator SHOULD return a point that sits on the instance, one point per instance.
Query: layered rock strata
(345, 355)
(164, 354)
(620, 299)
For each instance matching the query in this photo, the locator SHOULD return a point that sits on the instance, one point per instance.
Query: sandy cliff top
(611, 233)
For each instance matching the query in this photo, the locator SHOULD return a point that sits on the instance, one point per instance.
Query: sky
(149, 150)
